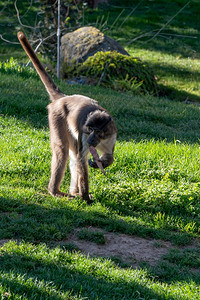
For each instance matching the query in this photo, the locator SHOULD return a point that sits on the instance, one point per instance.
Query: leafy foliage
(12, 66)
(115, 70)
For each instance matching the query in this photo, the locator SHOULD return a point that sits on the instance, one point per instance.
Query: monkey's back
(73, 110)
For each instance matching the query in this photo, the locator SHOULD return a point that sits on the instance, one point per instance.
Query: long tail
(50, 86)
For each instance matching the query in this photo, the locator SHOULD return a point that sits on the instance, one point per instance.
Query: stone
(78, 45)
(95, 3)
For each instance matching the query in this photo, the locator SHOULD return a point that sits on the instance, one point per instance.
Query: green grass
(174, 53)
(152, 190)
(85, 277)
(96, 237)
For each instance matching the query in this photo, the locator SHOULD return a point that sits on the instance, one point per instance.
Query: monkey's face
(96, 127)
(94, 136)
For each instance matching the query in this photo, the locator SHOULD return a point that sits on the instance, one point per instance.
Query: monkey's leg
(82, 167)
(83, 178)
(58, 166)
(60, 149)
(74, 173)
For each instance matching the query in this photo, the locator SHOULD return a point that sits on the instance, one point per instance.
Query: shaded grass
(178, 265)
(96, 237)
(53, 272)
(177, 76)
(9, 25)
(173, 55)
(146, 117)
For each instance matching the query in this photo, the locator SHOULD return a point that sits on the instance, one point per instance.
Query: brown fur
(75, 123)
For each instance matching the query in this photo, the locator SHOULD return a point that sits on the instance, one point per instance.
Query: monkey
(76, 122)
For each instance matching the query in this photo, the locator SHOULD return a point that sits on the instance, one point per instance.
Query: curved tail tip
(20, 35)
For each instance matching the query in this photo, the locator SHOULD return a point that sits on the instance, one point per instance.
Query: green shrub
(115, 70)
(13, 67)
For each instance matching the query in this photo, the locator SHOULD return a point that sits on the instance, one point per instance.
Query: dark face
(96, 127)
(94, 136)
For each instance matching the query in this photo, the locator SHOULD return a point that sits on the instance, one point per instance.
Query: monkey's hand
(96, 158)
(92, 164)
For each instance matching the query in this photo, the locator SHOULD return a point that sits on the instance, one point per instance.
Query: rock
(95, 3)
(77, 46)
(83, 80)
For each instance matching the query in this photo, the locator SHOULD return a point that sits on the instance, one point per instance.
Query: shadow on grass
(149, 16)
(164, 120)
(36, 224)
(170, 69)
(41, 278)
(136, 117)
(179, 37)
(171, 270)
(174, 94)
(33, 222)
(173, 72)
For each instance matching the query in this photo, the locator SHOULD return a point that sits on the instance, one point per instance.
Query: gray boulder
(77, 46)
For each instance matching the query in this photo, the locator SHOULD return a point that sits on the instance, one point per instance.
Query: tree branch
(18, 17)
(7, 41)
(163, 34)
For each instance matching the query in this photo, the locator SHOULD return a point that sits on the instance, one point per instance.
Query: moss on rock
(115, 70)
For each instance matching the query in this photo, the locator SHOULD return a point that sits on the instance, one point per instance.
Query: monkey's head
(97, 127)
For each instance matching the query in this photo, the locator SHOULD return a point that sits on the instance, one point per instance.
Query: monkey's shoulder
(77, 100)
(72, 104)
(74, 109)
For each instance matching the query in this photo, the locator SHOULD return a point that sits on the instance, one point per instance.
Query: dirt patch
(130, 249)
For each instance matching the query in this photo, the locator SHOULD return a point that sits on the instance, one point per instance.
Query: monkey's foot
(61, 194)
(87, 198)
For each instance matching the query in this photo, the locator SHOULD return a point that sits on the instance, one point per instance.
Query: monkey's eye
(90, 129)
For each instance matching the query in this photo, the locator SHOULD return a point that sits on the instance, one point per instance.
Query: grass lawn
(152, 190)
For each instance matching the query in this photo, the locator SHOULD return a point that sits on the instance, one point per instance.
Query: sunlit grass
(174, 72)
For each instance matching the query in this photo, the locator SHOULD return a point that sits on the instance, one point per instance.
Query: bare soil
(130, 249)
